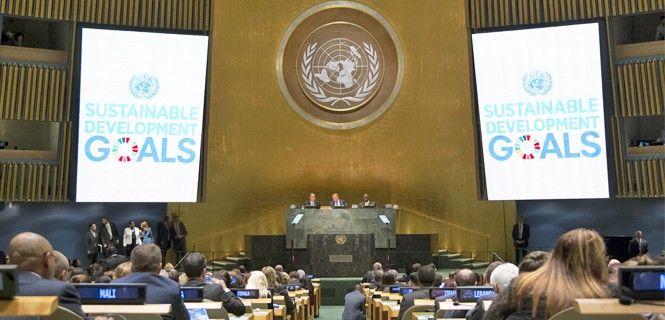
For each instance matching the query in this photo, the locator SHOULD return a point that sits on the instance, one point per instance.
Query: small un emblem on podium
(340, 239)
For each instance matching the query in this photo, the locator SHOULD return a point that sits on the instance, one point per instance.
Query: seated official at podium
(366, 203)
(337, 202)
(311, 203)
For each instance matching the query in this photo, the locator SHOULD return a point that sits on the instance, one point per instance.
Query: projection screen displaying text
(541, 112)
(141, 108)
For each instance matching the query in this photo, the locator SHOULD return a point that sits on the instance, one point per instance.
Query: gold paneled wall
(262, 156)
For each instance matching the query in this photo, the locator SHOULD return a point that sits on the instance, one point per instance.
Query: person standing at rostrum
(179, 237)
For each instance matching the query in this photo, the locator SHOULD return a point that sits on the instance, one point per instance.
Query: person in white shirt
(131, 238)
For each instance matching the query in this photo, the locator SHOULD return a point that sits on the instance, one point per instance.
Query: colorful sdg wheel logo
(527, 147)
(124, 149)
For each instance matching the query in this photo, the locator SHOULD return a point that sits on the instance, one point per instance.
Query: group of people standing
(105, 240)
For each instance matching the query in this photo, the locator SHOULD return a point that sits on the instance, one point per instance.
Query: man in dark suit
(108, 235)
(354, 304)
(426, 275)
(163, 238)
(311, 202)
(336, 202)
(194, 265)
(146, 264)
(178, 237)
(91, 241)
(638, 245)
(366, 203)
(521, 236)
(33, 255)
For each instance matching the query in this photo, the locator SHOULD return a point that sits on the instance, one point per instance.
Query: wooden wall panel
(32, 92)
(641, 88)
(163, 14)
(502, 13)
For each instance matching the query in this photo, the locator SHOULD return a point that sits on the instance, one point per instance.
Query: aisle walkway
(330, 312)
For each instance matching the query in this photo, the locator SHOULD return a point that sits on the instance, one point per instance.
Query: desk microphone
(626, 301)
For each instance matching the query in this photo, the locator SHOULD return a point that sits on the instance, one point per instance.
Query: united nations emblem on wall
(143, 86)
(340, 239)
(340, 65)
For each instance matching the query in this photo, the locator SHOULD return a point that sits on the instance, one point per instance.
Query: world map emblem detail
(537, 83)
(340, 74)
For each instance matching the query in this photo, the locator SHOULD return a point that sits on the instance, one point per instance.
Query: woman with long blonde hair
(257, 280)
(280, 289)
(576, 269)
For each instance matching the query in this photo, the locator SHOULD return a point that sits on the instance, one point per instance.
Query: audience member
(122, 270)
(426, 276)
(75, 271)
(178, 237)
(3, 257)
(488, 272)
(271, 277)
(163, 237)
(405, 276)
(80, 278)
(257, 280)
(533, 261)
(370, 275)
(168, 267)
(438, 281)
(61, 266)
(93, 271)
(194, 265)
(112, 260)
(500, 278)
(660, 29)
(146, 233)
(131, 238)
(146, 263)
(576, 269)
(294, 278)
(387, 279)
(103, 279)
(33, 255)
(354, 304)
(19, 39)
(466, 277)
(76, 263)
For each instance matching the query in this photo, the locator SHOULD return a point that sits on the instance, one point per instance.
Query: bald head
(465, 277)
(61, 268)
(32, 252)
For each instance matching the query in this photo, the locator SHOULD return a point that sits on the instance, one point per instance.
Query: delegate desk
(340, 221)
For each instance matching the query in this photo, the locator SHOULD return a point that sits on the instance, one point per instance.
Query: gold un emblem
(332, 68)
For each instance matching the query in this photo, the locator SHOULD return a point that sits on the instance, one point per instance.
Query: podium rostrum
(379, 222)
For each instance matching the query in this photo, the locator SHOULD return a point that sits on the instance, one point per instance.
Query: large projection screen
(141, 108)
(541, 112)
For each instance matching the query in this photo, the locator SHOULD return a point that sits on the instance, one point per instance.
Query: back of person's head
(415, 267)
(80, 278)
(378, 274)
(377, 266)
(294, 275)
(168, 267)
(174, 275)
(224, 276)
(388, 279)
(502, 275)
(122, 270)
(103, 279)
(465, 277)
(489, 270)
(94, 270)
(533, 261)
(74, 271)
(426, 276)
(32, 252)
(271, 276)
(257, 280)
(643, 260)
(279, 268)
(576, 269)
(438, 280)
(61, 271)
(194, 265)
(242, 269)
(302, 273)
(413, 279)
(146, 258)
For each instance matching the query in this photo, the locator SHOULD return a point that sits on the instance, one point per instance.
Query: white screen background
(571, 55)
(109, 59)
